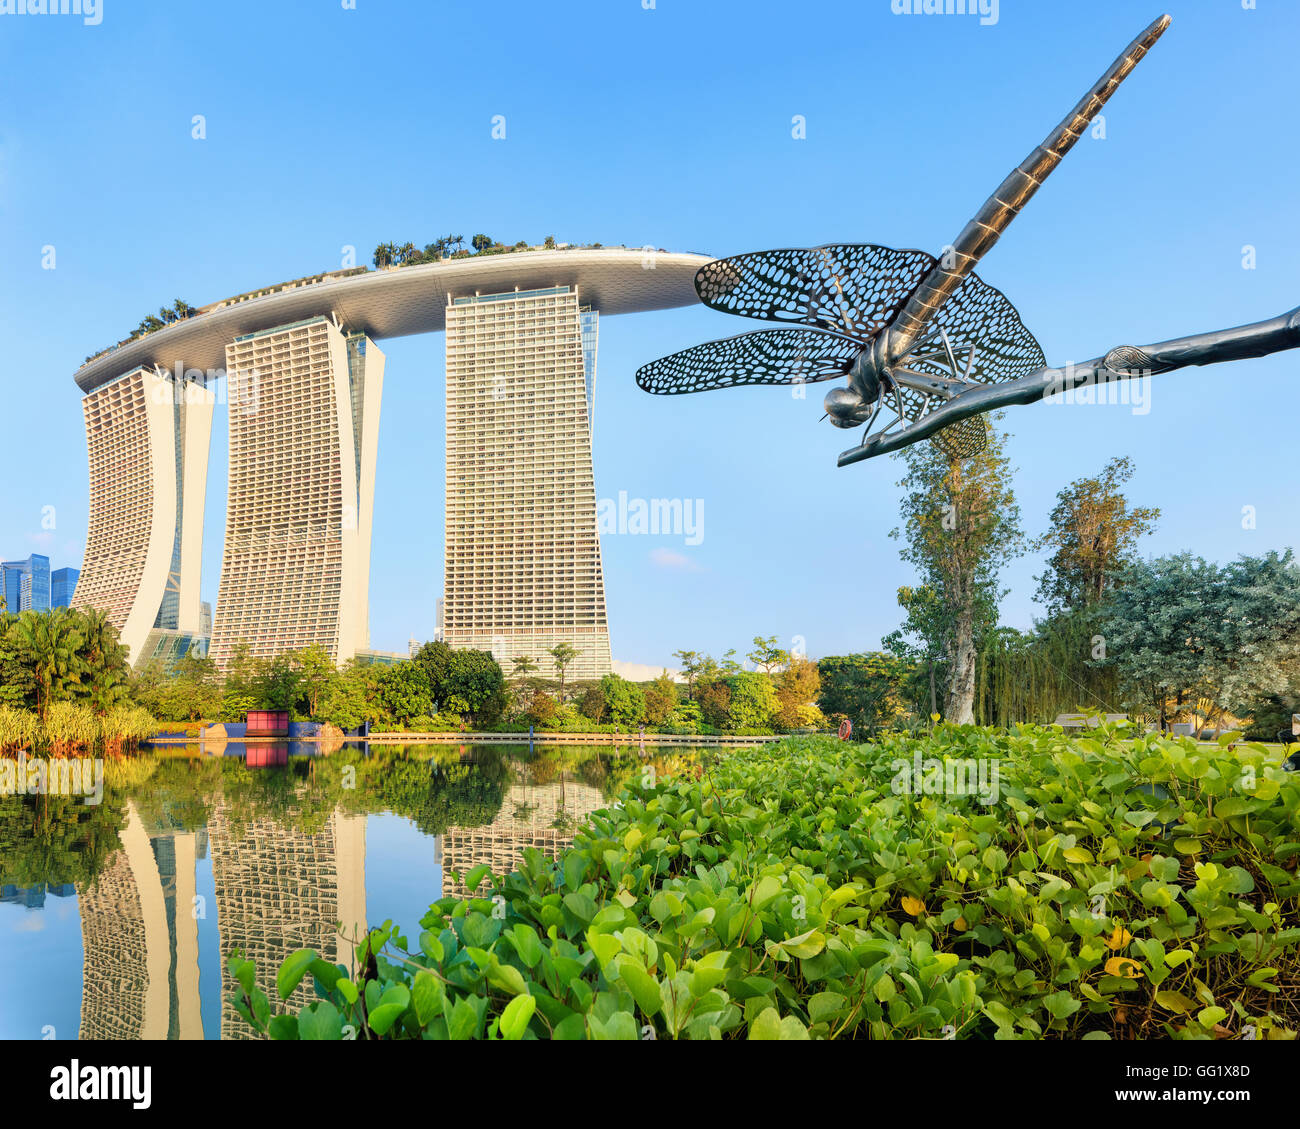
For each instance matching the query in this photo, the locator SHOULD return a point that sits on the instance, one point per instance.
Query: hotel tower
(523, 570)
(303, 380)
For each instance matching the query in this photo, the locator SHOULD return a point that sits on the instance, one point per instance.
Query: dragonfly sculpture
(926, 347)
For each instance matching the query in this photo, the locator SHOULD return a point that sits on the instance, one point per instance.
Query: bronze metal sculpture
(927, 347)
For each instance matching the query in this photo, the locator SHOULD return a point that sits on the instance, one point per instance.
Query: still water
(117, 919)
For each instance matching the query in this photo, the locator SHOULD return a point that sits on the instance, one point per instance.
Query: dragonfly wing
(852, 288)
(980, 317)
(964, 438)
(766, 356)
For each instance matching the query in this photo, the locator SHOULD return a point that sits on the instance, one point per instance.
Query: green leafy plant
(1114, 887)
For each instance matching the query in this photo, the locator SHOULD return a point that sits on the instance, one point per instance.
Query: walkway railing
(655, 739)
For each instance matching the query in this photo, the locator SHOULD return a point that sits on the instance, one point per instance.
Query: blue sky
(329, 127)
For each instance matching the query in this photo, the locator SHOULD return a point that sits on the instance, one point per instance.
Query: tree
(624, 700)
(105, 671)
(404, 692)
(197, 684)
(1094, 535)
(524, 666)
(276, 683)
(868, 689)
(923, 636)
(550, 243)
(753, 703)
(436, 658)
(49, 645)
(714, 697)
(660, 699)
(690, 661)
(475, 678)
(767, 654)
(593, 704)
(797, 687)
(314, 668)
(1180, 627)
(961, 525)
(238, 694)
(543, 709)
(481, 242)
(384, 255)
(563, 654)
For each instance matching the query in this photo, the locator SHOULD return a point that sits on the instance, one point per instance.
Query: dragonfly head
(846, 408)
(852, 406)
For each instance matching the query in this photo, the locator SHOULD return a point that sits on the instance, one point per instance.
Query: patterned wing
(766, 356)
(978, 315)
(850, 288)
(963, 439)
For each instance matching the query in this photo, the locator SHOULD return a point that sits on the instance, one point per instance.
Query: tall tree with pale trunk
(960, 526)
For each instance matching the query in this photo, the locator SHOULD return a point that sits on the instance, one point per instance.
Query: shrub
(1114, 888)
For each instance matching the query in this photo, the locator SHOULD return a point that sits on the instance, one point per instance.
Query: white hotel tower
(523, 569)
(304, 383)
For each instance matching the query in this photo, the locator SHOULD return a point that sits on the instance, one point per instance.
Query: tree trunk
(960, 707)
(934, 701)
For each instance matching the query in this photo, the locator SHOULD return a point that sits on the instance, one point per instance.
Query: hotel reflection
(278, 889)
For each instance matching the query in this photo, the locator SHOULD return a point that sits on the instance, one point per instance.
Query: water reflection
(122, 916)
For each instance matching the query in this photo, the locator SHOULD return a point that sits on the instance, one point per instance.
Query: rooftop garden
(386, 255)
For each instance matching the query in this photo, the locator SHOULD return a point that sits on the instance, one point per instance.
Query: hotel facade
(304, 380)
(523, 572)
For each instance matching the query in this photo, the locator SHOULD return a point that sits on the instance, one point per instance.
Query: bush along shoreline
(71, 728)
(972, 883)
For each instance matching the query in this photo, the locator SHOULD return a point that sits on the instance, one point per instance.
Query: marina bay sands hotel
(304, 380)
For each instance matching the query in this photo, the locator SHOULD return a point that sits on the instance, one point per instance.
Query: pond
(117, 919)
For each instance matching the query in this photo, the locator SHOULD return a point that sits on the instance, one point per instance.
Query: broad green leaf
(292, 969)
(514, 1020)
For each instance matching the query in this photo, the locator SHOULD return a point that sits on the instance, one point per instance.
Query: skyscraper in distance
(63, 585)
(27, 584)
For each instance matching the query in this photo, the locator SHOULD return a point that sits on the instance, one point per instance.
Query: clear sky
(330, 126)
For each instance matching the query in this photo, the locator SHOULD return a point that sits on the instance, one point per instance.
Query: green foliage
(1037, 675)
(70, 727)
(961, 525)
(660, 699)
(871, 689)
(796, 892)
(1182, 627)
(752, 705)
(625, 702)
(1093, 535)
(62, 655)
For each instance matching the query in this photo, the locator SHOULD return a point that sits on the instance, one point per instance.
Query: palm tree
(104, 658)
(51, 644)
(459, 240)
(563, 654)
